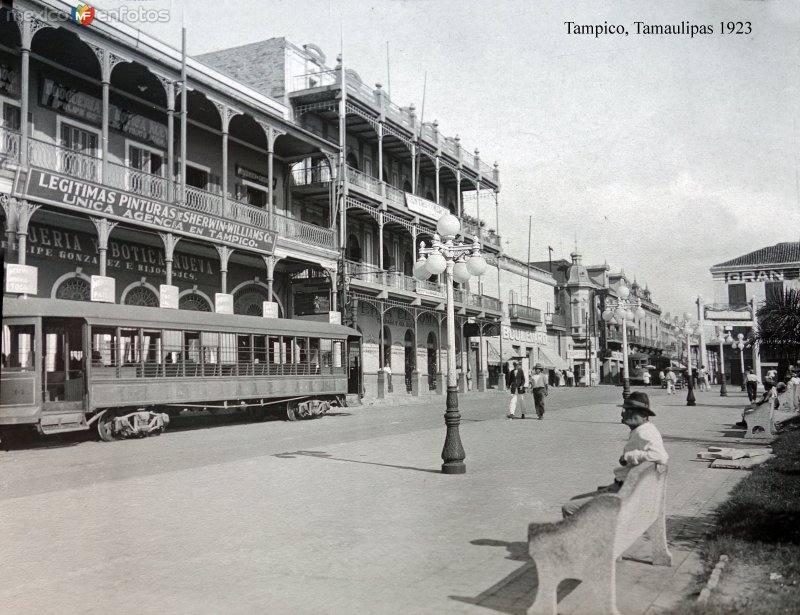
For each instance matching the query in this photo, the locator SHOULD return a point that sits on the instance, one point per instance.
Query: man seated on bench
(644, 444)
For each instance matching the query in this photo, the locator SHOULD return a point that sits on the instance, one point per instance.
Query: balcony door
(146, 172)
(78, 155)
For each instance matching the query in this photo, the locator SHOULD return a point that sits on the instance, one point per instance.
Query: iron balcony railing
(363, 180)
(524, 312)
(9, 147)
(311, 175)
(84, 166)
(380, 277)
(555, 320)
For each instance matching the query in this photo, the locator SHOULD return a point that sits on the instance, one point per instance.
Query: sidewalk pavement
(366, 524)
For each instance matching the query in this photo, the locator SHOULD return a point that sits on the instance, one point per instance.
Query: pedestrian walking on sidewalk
(539, 389)
(751, 382)
(517, 389)
(644, 444)
(671, 379)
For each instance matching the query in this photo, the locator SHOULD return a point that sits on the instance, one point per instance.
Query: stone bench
(586, 545)
(760, 421)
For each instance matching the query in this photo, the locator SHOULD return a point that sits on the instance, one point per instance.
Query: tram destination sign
(95, 199)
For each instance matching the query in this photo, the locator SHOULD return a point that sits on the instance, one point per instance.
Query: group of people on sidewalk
(538, 385)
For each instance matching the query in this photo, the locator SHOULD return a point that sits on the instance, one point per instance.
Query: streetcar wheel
(105, 427)
(291, 410)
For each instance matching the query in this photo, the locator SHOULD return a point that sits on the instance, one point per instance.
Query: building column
(170, 241)
(415, 371)
(104, 227)
(459, 213)
(381, 178)
(224, 255)
(413, 168)
(270, 262)
(481, 375)
(701, 317)
(380, 240)
(11, 209)
(437, 164)
(25, 211)
(169, 88)
(28, 26)
(333, 273)
(108, 61)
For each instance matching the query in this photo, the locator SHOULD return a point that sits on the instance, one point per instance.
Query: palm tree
(779, 324)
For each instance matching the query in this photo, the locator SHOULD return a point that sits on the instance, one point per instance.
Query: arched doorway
(433, 360)
(352, 161)
(408, 265)
(410, 350)
(386, 354)
(407, 186)
(353, 249)
(354, 376)
(387, 259)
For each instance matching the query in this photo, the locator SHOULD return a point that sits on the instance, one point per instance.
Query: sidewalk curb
(713, 580)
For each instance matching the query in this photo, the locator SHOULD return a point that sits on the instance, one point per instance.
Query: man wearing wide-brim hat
(644, 444)
(539, 389)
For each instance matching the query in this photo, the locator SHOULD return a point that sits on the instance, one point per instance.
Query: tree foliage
(779, 323)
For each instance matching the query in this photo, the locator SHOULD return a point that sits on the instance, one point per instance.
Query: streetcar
(125, 370)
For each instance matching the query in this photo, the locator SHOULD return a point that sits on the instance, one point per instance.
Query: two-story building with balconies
(382, 180)
(125, 164)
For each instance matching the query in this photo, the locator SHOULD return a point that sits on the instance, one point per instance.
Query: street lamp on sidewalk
(723, 339)
(459, 262)
(739, 344)
(622, 311)
(689, 329)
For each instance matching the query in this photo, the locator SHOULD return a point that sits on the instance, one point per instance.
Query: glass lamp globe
(448, 226)
(623, 292)
(729, 339)
(461, 272)
(476, 265)
(619, 314)
(740, 337)
(629, 314)
(436, 264)
(608, 315)
(640, 312)
(421, 270)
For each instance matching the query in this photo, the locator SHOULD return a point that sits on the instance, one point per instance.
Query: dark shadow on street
(323, 455)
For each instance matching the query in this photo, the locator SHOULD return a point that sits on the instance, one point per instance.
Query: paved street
(347, 514)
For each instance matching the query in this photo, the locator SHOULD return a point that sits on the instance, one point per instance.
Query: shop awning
(493, 350)
(551, 360)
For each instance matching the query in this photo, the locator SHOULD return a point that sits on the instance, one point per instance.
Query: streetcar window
(104, 346)
(17, 346)
(338, 354)
(191, 346)
(209, 341)
(326, 348)
(260, 348)
(129, 346)
(227, 348)
(171, 343)
(314, 354)
(151, 346)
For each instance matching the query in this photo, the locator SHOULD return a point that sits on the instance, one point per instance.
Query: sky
(661, 155)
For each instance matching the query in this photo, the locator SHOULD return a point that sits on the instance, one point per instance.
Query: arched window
(74, 289)
(429, 196)
(407, 186)
(352, 161)
(408, 265)
(141, 295)
(194, 302)
(249, 300)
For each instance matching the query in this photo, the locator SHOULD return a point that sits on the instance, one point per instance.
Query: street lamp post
(459, 262)
(621, 311)
(739, 344)
(688, 329)
(723, 389)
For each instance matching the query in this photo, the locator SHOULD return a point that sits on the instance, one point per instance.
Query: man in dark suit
(517, 388)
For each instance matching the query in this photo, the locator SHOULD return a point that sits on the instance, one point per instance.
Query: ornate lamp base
(453, 452)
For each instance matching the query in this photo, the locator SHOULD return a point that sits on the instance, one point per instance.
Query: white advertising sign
(168, 296)
(424, 207)
(103, 288)
(223, 303)
(524, 335)
(335, 318)
(270, 309)
(22, 279)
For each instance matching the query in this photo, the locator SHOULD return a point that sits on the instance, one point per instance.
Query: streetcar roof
(114, 315)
